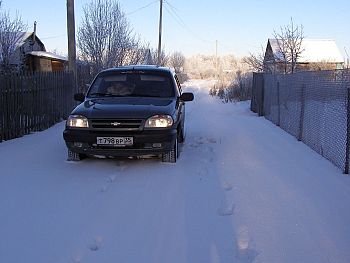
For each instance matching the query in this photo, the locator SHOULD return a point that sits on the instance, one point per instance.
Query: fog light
(78, 144)
(157, 145)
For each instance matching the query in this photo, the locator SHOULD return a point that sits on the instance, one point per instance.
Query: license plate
(115, 141)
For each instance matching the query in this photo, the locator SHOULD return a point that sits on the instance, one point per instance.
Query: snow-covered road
(243, 191)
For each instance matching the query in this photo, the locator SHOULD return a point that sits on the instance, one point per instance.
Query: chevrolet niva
(129, 111)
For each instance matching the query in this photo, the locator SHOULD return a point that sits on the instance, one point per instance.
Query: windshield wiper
(143, 95)
(102, 94)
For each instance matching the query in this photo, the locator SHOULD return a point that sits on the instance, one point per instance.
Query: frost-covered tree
(289, 41)
(10, 29)
(255, 61)
(164, 58)
(177, 61)
(105, 37)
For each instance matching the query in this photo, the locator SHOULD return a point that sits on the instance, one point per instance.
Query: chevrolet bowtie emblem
(115, 123)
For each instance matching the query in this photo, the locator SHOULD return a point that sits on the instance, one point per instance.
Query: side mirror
(79, 97)
(187, 96)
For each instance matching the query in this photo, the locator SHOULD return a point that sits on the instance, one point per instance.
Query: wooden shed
(45, 61)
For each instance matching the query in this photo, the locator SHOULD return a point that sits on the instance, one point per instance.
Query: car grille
(116, 124)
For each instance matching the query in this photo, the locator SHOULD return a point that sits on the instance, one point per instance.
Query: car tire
(75, 157)
(171, 156)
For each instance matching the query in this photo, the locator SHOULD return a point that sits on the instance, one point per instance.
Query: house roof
(23, 36)
(314, 50)
(45, 54)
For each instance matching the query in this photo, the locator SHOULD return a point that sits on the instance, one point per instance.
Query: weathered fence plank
(33, 102)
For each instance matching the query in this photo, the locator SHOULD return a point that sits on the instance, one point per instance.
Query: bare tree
(177, 61)
(255, 61)
(163, 57)
(105, 37)
(10, 33)
(289, 41)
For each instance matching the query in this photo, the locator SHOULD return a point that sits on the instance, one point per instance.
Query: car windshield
(132, 84)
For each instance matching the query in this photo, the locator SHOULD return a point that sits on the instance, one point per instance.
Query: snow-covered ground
(243, 191)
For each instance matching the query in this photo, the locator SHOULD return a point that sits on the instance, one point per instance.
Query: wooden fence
(33, 102)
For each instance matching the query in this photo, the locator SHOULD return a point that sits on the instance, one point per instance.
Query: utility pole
(71, 40)
(160, 33)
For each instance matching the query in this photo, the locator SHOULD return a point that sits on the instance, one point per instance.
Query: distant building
(30, 55)
(316, 54)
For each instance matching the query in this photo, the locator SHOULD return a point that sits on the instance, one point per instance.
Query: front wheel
(171, 156)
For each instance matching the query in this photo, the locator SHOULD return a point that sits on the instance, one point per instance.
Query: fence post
(262, 94)
(253, 100)
(302, 113)
(346, 168)
(278, 104)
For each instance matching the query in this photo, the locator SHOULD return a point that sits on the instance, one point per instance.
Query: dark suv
(129, 111)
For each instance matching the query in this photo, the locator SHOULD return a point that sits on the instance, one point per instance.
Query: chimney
(34, 33)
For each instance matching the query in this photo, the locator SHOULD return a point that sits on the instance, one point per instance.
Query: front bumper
(84, 141)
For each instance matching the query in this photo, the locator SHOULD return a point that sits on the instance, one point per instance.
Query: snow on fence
(314, 107)
(33, 102)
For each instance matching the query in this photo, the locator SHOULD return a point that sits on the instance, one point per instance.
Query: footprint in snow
(76, 257)
(227, 186)
(96, 243)
(111, 178)
(104, 188)
(121, 165)
(226, 210)
(245, 253)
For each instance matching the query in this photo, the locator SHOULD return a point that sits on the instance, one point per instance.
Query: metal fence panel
(313, 107)
(258, 94)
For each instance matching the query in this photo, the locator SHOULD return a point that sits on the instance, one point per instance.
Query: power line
(58, 36)
(173, 13)
(173, 7)
(141, 8)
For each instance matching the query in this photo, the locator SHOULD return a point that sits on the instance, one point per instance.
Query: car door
(181, 107)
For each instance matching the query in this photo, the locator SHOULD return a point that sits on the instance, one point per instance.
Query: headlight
(77, 121)
(159, 121)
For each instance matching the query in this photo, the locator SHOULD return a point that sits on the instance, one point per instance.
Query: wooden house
(316, 54)
(30, 55)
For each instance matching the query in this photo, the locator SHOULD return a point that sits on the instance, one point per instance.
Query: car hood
(125, 107)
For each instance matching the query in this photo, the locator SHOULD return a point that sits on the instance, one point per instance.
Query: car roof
(151, 68)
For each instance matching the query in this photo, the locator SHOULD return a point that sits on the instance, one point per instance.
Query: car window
(178, 84)
(138, 84)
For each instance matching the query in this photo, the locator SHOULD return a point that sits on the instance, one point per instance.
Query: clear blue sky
(192, 26)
